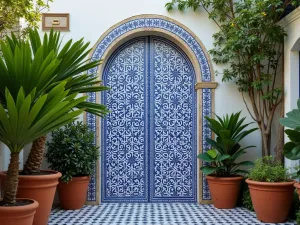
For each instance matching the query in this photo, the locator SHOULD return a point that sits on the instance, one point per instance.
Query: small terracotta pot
(72, 195)
(40, 188)
(271, 201)
(18, 215)
(224, 190)
(297, 185)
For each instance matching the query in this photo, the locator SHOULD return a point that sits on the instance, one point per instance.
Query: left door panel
(125, 129)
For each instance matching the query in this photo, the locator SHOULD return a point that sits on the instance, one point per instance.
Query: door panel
(125, 133)
(149, 138)
(172, 124)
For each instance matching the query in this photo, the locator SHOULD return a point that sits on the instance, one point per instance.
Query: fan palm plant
(26, 118)
(72, 66)
(31, 104)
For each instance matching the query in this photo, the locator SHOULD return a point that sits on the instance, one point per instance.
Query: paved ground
(154, 214)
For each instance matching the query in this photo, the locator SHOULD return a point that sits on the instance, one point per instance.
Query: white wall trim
(290, 18)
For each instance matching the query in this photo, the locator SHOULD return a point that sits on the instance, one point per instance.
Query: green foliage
(247, 202)
(298, 216)
(26, 119)
(46, 62)
(72, 151)
(295, 206)
(12, 10)
(268, 170)
(250, 41)
(222, 159)
(291, 150)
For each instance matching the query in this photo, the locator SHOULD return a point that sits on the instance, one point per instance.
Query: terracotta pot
(297, 185)
(18, 215)
(40, 188)
(224, 190)
(72, 195)
(271, 201)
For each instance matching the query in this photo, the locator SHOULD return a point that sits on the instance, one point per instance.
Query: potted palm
(291, 149)
(271, 190)
(22, 120)
(70, 67)
(221, 167)
(72, 152)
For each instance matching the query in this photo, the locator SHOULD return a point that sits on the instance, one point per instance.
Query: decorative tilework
(154, 214)
(124, 130)
(147, 23)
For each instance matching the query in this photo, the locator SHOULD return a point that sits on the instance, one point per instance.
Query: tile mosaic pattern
(191, 42)
(154, 214)
(151, 130)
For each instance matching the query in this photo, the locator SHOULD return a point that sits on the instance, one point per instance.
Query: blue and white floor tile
(154, 214)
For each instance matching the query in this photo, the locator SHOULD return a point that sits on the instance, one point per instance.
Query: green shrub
(72, 151)
(246, 201)
(295, 206)
(268, 170)
(298, 217)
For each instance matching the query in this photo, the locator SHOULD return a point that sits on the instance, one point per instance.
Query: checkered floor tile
(154, 214)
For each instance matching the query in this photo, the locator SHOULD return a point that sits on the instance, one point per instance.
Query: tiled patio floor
(153, 213)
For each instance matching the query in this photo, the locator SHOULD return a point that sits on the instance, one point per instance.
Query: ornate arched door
(149, 137)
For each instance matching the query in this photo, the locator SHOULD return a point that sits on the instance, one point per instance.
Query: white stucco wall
(90, 19)
(291, 24)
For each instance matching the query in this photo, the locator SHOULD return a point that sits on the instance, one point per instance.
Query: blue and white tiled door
(149, 138)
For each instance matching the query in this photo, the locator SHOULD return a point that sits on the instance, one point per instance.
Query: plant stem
(11, 180)
(35, 158)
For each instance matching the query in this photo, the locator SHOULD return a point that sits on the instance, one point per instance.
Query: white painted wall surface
(291, 24)
(91, 18)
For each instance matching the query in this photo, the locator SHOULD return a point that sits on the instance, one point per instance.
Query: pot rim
(53, 175)
(78, 178)
(33, 205)
(238, 177)
(272, 184)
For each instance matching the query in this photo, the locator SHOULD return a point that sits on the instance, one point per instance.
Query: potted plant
(271, 190)
(221, 167)
(72, 152)
(22, 120)
(291, 149)
(70, 66)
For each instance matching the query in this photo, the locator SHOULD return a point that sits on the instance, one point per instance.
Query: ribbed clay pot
(40, 188)
(72, 195)
(297, 186)
(271, 201)
(224, 190)
(18, 215)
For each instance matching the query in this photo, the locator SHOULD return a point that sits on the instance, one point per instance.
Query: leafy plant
(12, 10)
(291, 149)
(26, 118)
(298, 216)
(250, 41)
(247, 201)
(230, 130)
(267, 169)
(72, 151)
(70, 64)
(295, 206)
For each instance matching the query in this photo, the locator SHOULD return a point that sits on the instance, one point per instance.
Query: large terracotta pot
(271, 201)
(224, 190)
(18, 215)
(72, 195)
(40, 188)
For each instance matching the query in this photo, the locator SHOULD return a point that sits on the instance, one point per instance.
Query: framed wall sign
(57, 21)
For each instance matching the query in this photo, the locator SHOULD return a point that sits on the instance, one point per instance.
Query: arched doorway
(191, 46)
(149, 138)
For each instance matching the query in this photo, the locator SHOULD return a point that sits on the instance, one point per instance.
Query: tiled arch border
(150, 24)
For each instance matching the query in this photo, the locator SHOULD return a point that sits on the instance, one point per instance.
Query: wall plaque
(57, 21)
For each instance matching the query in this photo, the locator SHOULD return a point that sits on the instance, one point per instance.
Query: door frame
(185, 39)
